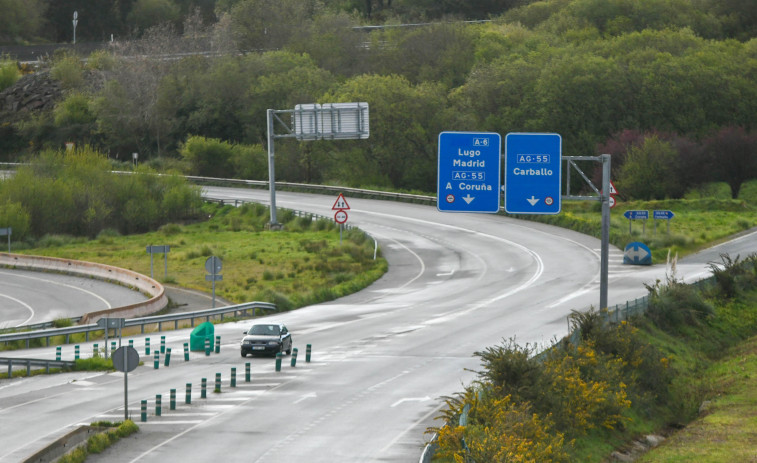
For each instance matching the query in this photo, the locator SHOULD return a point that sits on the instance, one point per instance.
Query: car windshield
(267, 330)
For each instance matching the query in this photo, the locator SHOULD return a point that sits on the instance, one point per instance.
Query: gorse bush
(9, 72)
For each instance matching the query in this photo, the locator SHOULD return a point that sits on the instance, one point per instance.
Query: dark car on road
(266, 338)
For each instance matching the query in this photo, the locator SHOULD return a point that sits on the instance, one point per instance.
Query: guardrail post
(76, 352)
(247, 375)
(233, 377)
(278, 361)
(204, 388)
(186, 351)
(188, 397)
(147, 346)
(158, 399)
(157, 360)
(10, 369)
(308, 350)
(218, 344)
(172, 402)
(207, 347)
(94, 351)
(162, 344)
(168, 357)
(294, 357)
(57, 353)
(143, 410)
(218, 383)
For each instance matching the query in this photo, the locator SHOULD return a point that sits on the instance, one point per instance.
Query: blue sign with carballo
(468, 175)
(636, 215)
(663, 215)
(533, 169)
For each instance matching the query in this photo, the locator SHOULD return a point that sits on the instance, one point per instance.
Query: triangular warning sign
(613, 191)
(340, 204)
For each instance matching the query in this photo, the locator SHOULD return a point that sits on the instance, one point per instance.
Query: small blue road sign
(636, 215)
(637, 253)
(468, 175)
(663, 215)
(533, 169)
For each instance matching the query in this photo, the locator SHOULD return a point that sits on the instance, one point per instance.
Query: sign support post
(328, 121)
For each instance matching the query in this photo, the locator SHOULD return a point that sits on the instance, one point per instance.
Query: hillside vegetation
(668, 87)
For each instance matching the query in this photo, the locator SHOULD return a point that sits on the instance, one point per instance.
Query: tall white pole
(605, 251)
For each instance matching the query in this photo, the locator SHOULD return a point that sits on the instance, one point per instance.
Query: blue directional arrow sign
(533, 169)
(636, 215)
(663, 215)
(637, 253)
(468, 175)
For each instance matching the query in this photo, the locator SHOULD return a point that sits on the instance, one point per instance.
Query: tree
(733, 153)
(21, 20)
(650, 171)
(149, 13)
(270, 24)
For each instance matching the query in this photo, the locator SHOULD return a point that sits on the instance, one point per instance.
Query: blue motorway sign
(663, 215)
(637, 253)
(533, 169)
(468, 175)
(636, 215)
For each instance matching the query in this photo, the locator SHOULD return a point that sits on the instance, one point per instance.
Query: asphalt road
(28, 297)
(382, 358)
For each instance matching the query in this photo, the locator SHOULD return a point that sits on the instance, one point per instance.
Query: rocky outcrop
(31, 93)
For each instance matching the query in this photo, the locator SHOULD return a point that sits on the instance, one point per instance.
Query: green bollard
(218, 344)
(131, 343)
(294, 357)
(94, 351)
(278, 361)
(57, 353)
(156, 364)
(204, 389)
(143, 416)
(247, 375)
(233, 377)
(218, 383)
(172, 403)
(308, 350)
(162, 344)
(76, 352)
(168, 357)
(112, 347)
(147, 346)
(158, 399)
(188, 397)
(207, 346)
(186, 351)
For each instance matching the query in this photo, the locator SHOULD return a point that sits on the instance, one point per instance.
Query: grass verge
(100, 441)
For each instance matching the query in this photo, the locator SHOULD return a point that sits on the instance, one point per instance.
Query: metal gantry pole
(271, 169)
(605, 251)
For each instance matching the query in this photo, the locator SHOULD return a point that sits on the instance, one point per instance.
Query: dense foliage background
(668, 87)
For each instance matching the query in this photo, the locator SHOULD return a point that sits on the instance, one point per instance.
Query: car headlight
(273, 343)
(246, 342)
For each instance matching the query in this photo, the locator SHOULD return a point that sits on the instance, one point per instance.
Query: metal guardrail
(36, 326)
(27, 336)
(29, 363)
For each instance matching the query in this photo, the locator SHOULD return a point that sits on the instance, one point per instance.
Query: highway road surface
(382, 358)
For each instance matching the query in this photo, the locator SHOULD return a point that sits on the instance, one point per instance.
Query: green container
(198, 336)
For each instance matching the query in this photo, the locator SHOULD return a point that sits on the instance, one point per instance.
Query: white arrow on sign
(532, 201)
(637, 253)
(468, 198)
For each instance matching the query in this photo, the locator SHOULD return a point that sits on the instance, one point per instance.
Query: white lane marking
(26, 306)
(312, 395)
(410, 399)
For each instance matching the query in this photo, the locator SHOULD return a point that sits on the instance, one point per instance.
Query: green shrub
(101, 60)
(68, 70)
(676, 305)
(9, 73)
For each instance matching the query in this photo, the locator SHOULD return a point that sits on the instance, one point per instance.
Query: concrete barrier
(144, 284)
